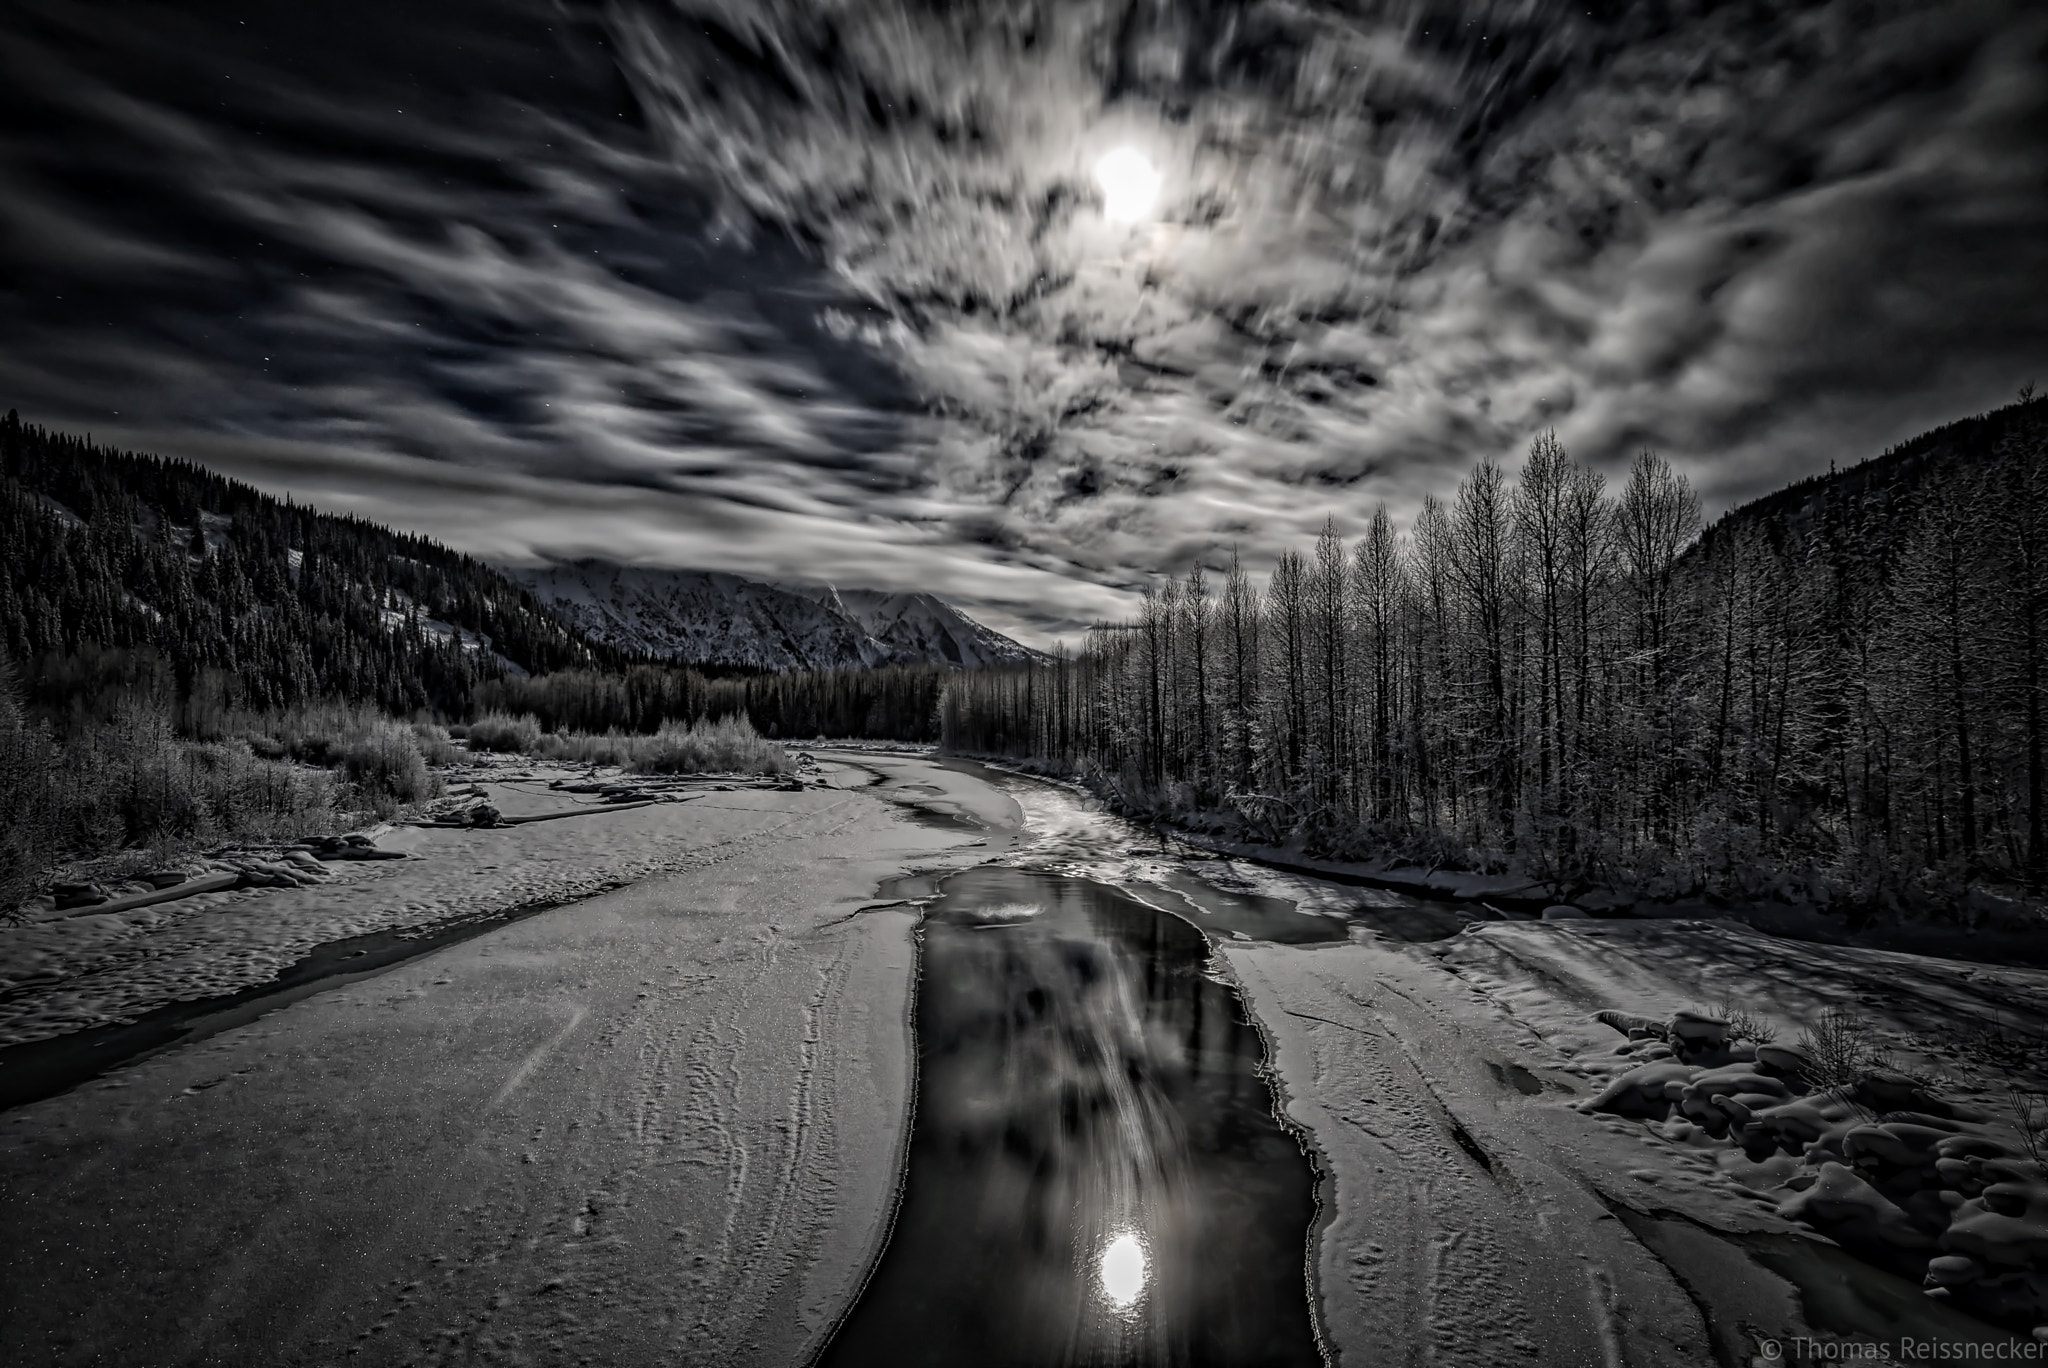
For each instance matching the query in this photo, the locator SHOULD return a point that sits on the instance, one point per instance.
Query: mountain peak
(713, 617)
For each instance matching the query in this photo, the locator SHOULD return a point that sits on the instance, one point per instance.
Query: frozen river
(924, 1063)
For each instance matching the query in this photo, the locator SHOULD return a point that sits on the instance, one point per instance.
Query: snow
(1485, 1202)
(714, 616)
(1721, 1139)
(926, 627)
(57, 510)
(91, 970)
(660, 1125)
(664, 1123)
(396, 616)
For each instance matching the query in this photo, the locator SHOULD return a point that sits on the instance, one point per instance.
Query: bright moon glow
(1129, 184)
(1123, 1270)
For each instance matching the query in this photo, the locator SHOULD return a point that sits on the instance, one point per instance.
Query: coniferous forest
(1833, 692)
(186, 661)
(135, 576)
(124, 568)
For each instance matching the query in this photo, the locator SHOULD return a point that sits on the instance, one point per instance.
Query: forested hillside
(185, 662)
(116, 563)
(1833, 692)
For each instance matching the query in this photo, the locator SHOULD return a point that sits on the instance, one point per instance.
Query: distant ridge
(110, 560)
(1870, 498)
(710, 617)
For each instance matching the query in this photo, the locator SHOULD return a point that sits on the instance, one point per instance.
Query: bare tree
(1287, 613)
(1380, 595)
(1656, 519)
(1328, 592)
(1482, 566)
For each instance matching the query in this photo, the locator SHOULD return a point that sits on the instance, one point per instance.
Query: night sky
(828, 290)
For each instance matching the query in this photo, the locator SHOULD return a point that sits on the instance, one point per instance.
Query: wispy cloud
(823, 292)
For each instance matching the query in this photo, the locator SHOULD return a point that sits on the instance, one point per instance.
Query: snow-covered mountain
(710, 617)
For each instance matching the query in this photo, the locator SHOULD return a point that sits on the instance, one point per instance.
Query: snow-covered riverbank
(664, 1123)
(659, 1125)
(92, 968)
(1474, 1213)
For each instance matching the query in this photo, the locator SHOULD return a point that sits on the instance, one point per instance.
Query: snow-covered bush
(728, 746)
(384, 761)
(434, 744)
(28, 762)
(502, 732)
(612, 748)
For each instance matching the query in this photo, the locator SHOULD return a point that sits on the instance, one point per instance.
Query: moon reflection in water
(1123, 1271)
(1096, 1175)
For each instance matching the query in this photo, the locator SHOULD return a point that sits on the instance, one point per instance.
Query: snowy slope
(713, 617)
(924, 627)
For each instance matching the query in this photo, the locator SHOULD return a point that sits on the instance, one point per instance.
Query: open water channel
(1097, 1174)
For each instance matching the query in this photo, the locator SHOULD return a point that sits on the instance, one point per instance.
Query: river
(1097, 1174)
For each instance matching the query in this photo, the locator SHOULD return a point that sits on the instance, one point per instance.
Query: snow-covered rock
(1696, 1031)
(1641, 1091)
(1842, 1205)
(1631, 1024)
(712, 617)
(1785, 1060)
(2006, 1225)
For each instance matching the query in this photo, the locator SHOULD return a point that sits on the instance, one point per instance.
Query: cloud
(818, 291)
(524, 519)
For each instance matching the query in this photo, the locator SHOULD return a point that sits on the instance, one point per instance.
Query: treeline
(185, 662)
(1837, 689)
(109, 555)
(136, 580)
(897, 703)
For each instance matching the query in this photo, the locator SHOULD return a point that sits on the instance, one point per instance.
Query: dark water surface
(1096, 1173)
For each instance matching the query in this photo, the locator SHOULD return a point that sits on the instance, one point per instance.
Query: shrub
(1743, 1024)
(727, 746)
(384, 761)
(730, 745)
(28, 769)
(1841, 1050)
(500, 732)
(316, 733)
(245, 799)
(435, 746)
(612, 748)
(127, 791)
(131, 792)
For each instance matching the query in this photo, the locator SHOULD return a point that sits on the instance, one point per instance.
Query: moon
(1130, 184)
